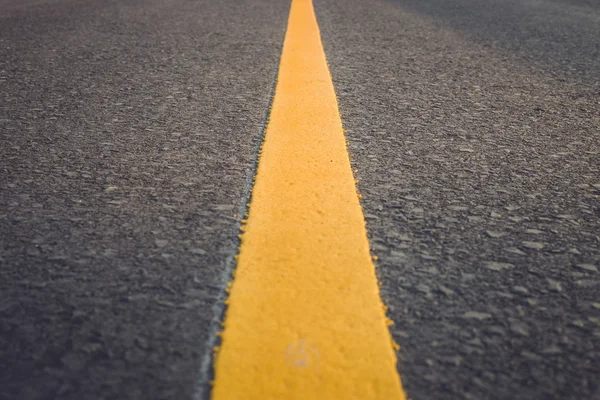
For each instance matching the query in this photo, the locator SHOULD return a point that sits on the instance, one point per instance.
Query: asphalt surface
(128, 137)
(128, 132)
(475, 127)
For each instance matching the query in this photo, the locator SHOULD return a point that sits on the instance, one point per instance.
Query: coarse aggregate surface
(128, 134)
(475, 130)
(128, 131)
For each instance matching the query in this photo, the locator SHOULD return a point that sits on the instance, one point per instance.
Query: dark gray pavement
(127, 133)
(476, 132)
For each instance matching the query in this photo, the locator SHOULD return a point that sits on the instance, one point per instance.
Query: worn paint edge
(383, 293)
(206, 375)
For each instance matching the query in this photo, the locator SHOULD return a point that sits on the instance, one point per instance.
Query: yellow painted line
(305, 320)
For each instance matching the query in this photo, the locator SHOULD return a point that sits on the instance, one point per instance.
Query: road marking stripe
(305, 320)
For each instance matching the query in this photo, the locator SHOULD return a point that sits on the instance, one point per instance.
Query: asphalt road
(476, 132)
(128, 132)
(128, 138)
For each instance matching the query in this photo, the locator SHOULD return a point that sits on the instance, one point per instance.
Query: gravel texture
(475, 130)
(128, 130)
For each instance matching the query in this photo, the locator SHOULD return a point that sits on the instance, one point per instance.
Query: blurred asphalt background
(128, 131)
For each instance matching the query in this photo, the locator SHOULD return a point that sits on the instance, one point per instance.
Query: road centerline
(305, 320)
